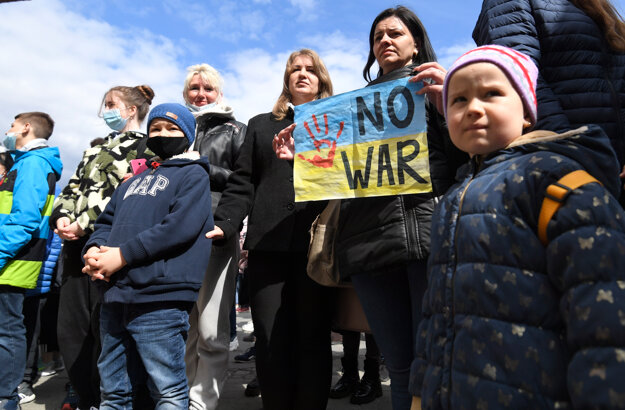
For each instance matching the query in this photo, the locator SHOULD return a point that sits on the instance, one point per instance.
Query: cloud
(447, 55)
(67, 64)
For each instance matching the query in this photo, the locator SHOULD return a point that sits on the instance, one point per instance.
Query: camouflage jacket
(100, 171)
(510, 323)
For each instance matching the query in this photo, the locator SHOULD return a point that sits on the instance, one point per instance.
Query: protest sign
(368, 142)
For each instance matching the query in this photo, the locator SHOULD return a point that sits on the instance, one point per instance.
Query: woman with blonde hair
(218, 137)
(290, 312)
(579, 48)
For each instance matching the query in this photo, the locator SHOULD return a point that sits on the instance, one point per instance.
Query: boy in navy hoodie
(149, 252)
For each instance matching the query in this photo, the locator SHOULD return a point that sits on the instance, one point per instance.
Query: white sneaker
(248, 327)
(25, 393)
(234, 344)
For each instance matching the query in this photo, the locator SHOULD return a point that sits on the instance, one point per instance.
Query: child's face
(484, 111)
(163, 128)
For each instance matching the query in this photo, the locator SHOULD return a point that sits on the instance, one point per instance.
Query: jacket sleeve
(513, 24)
(103, 225)
(586, 261)
(219, 175)
(184, 223)
(237, 198)
(65, 203)
(30, 194)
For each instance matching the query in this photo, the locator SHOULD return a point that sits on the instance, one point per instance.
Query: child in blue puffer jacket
(517, 316)
(149, 253)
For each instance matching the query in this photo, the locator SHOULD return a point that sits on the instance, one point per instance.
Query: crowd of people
(503, 287)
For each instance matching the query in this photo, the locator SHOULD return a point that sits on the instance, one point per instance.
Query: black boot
(348, 383)
(370, 387)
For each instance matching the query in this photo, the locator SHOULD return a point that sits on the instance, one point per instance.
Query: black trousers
(32, 321)
(78, 326)
(291, 315)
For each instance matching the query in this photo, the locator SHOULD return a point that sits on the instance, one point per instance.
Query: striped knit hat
(519, 68)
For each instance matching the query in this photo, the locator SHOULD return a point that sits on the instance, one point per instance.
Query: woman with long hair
(291, 313)
(382, 243)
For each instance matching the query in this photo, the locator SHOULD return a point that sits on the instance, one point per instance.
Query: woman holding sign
(382, 243)
(290, 311)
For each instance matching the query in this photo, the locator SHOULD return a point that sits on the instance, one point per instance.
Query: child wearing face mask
(148, 255)
(526, 278)
(26, 193)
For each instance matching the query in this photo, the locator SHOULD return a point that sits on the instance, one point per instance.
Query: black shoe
(252, 389)
(250, 354)
(347, 385)
(367, 391)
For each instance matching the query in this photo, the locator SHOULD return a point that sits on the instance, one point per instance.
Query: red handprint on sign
(317, 160)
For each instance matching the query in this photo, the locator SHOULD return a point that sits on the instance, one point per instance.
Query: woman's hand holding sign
(284, 144)
(433, 88)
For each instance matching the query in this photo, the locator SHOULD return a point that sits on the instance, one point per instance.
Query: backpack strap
(556, 194)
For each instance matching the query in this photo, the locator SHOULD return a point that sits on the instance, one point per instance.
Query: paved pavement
(50, 391)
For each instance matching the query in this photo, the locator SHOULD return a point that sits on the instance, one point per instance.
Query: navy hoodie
(158, 219)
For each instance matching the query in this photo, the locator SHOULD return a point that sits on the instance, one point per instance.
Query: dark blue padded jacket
(508, 322)
(158, 219)
(581, 81)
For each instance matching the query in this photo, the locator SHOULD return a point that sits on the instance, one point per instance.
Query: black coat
(219, 138)
(379, 232)
(262, 186)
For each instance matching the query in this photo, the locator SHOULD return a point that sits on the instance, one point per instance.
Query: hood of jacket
(588, 145)
(218, 110)
(184, 159)
(50, 154)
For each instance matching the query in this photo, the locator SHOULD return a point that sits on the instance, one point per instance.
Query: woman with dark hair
(291, 313)
(382, 242)
(101, 170)
(579, 48)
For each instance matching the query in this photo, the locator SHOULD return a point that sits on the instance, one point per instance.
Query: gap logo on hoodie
(147, 185)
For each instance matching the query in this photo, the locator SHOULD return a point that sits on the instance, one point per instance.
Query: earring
(526, 124)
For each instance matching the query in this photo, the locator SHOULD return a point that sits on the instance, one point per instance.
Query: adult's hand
(284, 144)
(216, 233)
(433, 75)
(67, 230)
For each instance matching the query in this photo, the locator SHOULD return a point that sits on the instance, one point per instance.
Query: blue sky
(60, 56)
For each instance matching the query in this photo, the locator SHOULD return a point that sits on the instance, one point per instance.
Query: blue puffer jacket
(581, 81)
(508, 322)
(53, 250)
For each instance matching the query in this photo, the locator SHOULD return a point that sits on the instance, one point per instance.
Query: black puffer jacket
(379, 232)
(581, 81)
(219, 138)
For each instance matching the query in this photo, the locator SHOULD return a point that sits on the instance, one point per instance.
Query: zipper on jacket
(475, 163)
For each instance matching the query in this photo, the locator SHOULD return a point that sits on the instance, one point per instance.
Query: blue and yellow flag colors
(368, 142)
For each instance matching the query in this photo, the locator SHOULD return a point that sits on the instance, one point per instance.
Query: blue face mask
(9, 141)
(195, 108)
(114, 120)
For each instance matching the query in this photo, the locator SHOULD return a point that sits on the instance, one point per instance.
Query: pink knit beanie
(519, 68)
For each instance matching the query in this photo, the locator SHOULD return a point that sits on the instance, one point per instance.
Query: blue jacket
(26, 197)
(581, 81)
(158, 219)
(47, 273)
(508, 322)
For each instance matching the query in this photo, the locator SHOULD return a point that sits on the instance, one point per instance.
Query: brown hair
(605, 15)
(97, 141)
(41, 123)
(140, 96)
(325, 84)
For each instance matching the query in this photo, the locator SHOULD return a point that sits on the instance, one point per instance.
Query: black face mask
(167, 147)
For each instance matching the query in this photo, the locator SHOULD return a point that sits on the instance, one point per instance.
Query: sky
(61, 56)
